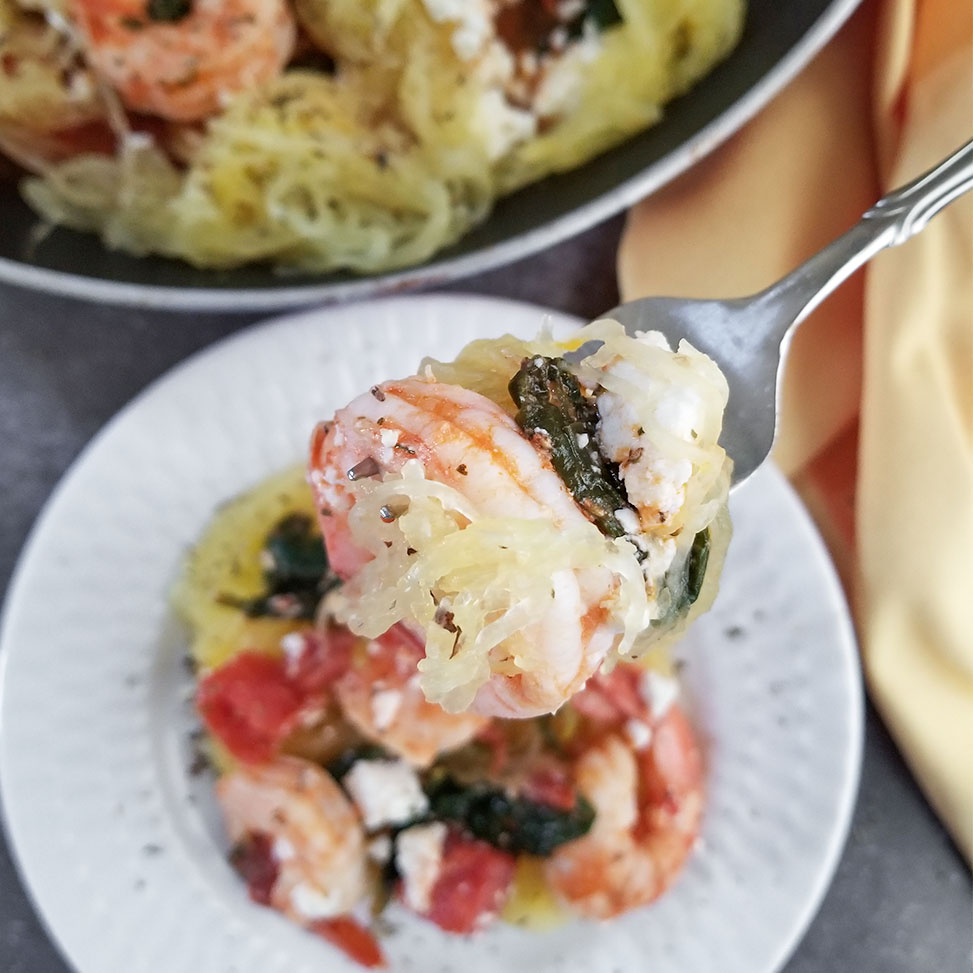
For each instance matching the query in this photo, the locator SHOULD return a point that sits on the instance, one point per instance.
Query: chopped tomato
(325, 658)
(552, 786)
(610, 700)
(250, 705)
(352, 938)
(253, 858)
(473, 882)
(253, 701)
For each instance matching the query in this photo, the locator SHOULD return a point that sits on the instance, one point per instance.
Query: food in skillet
(318, 134)
(460, 700)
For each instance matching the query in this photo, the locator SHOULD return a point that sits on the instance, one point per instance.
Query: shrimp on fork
(183, 59)
(469, 444)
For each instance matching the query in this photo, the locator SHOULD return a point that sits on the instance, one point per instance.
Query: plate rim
(29, 553)
(242, 300)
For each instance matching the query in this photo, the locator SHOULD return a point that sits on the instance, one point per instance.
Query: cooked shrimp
(465, 441)
(316, 842)
(380, 696)
(183, 59)
(647, 804)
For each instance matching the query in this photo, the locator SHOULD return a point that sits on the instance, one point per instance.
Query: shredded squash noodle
(472, 583)
(387, 135)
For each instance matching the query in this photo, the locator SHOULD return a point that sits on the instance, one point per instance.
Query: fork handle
(891, 221)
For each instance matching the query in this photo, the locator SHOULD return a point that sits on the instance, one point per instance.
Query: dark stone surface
(901, 899)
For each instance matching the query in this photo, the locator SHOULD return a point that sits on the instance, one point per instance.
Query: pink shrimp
(467, 442)
(311, 864)
(648, 803)
(380, 696)
(182, 59)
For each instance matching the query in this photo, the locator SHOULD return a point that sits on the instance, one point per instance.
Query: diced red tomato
(352, 938)
(326, 657)
(250, 705)
(610, 700)
(253, 701)
(552, 786)
(473, 883)
(254, 860)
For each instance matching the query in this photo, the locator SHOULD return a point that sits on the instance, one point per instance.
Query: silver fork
(749, 337)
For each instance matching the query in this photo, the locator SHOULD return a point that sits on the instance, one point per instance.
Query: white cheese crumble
(660, 692)
(283, 850)
(628, 519)
(385, 792)
(501, 125)
(389, 437)
(293, 644)
(311, 903)
(655, 483)
(418, 857)
(474, 23)
(639, 734)
(385, 705)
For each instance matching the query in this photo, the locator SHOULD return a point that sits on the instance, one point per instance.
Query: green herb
(555, 414)
(603, 12)
(686, 586)
(168, 11)
(295, 573)
(696, 567)
(513, 824)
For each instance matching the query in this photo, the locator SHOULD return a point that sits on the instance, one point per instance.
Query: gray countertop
(901, 899)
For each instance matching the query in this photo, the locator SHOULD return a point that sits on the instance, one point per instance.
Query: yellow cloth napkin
(880, 380)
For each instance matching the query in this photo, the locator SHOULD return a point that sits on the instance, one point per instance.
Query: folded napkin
(877, 422)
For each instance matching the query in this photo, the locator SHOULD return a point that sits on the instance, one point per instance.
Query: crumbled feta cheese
(385, 704)
(639, 734)
(473, 19)
(385, 792)
(418, 857)
(283, 850)
(583, 440)
(293, 644)
(389, 437)
(137, 141)
(660, 692)
(311, 903)
(569, 9)
(501, 125)
(496, 66)
(628, 519)
(379, 848)
(652, 481)
(559, 90)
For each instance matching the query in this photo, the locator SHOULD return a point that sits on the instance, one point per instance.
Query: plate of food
(479, 678)
(269, 152)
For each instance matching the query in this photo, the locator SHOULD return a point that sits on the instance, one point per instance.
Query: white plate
(118, 843)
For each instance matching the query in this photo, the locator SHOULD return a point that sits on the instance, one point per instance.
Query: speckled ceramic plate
(117, 841)
(780, 37)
